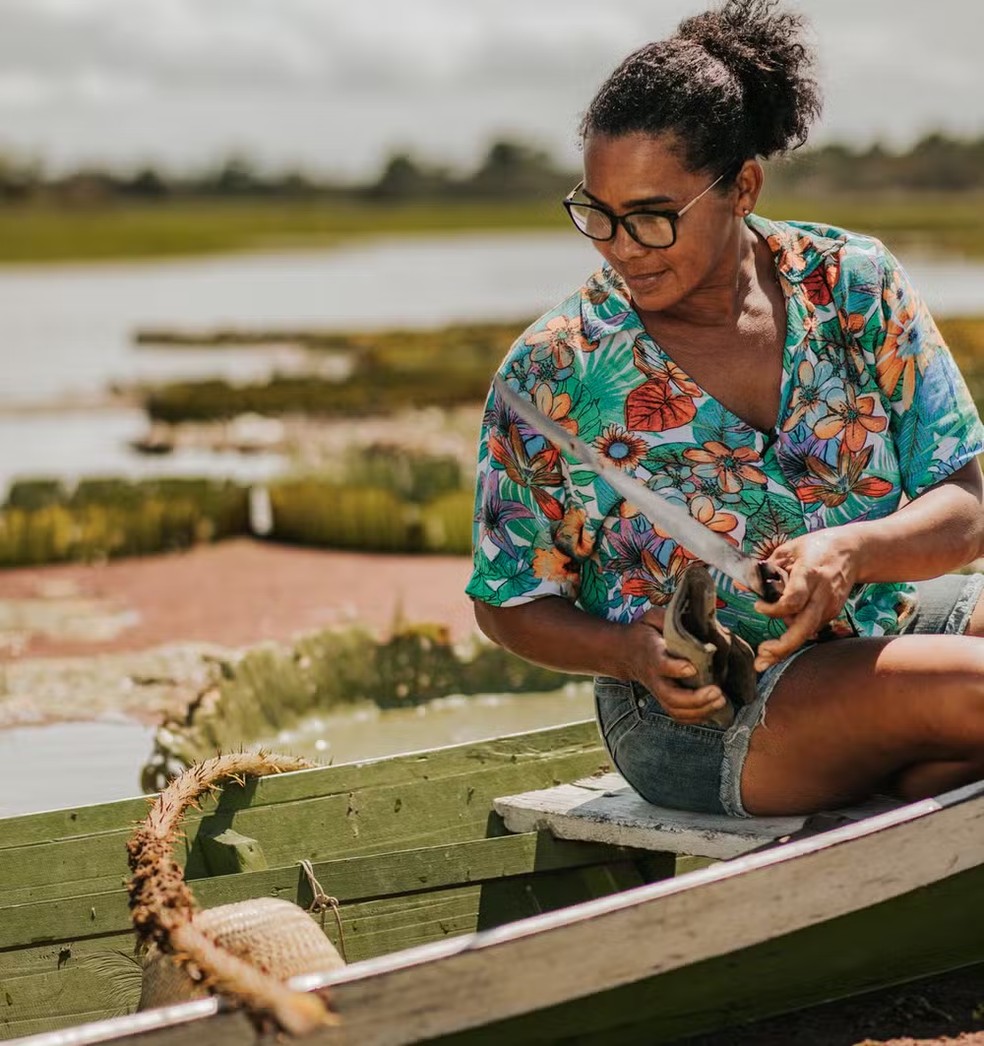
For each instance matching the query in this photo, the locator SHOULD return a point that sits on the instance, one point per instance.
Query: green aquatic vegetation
(391, 370)
(42, 232)
(29, 494)
(447, 523)
(387, 392)
(938, 223)
(272, 687)
(411, 475)
(313, 512)
(104, 518)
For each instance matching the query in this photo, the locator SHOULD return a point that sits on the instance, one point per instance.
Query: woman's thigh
(849, 715)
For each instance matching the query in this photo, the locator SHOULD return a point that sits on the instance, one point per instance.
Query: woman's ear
(748, 182)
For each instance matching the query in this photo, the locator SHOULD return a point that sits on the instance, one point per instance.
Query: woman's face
(641, 172)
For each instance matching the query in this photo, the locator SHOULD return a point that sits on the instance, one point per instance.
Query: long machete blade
(676, 521)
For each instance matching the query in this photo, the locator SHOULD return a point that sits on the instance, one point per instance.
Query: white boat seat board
(605, 809)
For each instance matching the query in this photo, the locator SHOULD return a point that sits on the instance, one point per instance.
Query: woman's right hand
(652, 666)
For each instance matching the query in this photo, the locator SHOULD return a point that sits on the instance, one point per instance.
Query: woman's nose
(623, 246)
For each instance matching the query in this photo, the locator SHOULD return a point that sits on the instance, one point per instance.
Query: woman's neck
(720, 299)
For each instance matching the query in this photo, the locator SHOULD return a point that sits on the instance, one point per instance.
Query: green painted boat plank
(447, 801)
(71, 823)
(925, 932)
(60, 955)
(31, 982)
(228, 852)
(72, 995)
(348, 879)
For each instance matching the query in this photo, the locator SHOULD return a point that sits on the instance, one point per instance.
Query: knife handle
(773, 582)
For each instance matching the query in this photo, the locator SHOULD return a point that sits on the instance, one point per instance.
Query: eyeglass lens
(651, 230)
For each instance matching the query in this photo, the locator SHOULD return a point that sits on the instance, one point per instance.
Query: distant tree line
(935, 163)
(509, 170)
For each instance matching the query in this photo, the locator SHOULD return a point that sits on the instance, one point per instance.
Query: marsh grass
(937, 224)
(43, 522)
(391, 370)
(272, 687)
(41, 233)
(47, 233)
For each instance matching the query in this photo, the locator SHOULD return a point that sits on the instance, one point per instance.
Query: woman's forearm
(555, 633)
(940, 531)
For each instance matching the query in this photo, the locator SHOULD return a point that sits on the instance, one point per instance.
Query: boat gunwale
(586, 911)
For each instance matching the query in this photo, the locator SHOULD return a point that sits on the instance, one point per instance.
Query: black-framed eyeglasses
(648, 228)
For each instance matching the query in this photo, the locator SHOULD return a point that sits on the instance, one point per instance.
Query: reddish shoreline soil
(240, 592)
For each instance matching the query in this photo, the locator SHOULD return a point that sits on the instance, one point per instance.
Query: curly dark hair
(732, 84)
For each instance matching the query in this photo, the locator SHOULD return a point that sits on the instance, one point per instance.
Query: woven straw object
(270, 933)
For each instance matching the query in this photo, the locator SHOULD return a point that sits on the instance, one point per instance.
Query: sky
(335, 86)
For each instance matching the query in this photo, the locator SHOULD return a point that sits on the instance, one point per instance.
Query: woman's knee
(943, 694)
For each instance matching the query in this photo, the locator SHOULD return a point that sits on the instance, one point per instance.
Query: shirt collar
(798, 248)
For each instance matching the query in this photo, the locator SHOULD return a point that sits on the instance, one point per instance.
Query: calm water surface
(67, 328)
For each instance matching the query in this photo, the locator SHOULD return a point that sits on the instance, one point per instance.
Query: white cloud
(338, 82)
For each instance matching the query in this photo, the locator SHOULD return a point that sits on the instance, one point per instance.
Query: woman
(786, 384)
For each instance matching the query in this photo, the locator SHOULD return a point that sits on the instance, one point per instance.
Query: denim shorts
(695, 767)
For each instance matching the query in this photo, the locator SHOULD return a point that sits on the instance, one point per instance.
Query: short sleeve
(934, 421)
(521, 514)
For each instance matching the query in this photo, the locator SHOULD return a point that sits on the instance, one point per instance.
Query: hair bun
(731, 84)
(762, 46)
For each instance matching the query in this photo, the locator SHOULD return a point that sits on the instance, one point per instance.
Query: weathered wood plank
(926, 932)
(228, 852)
(450, 893)
(71, 823)
(48, 1000)
(664, 927)
(605, 809)
(440, 797)
(405, 872)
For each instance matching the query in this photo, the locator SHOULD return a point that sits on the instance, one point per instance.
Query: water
(48, 767)
(67, 329)
(77, 443)
(367, 732)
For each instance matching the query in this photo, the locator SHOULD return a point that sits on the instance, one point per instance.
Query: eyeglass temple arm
(683, 210)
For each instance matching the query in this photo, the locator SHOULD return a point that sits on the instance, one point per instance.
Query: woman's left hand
(822, 567)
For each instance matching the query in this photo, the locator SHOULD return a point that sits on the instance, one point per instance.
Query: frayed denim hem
(738, 736)
(959, 620)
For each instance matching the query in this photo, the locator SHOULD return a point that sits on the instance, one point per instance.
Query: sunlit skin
(695, 280)
(900, 714)
(711, 300)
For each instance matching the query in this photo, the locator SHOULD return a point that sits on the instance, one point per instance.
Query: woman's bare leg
(853, 717)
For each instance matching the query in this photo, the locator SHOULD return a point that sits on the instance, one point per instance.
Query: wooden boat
(469, 918)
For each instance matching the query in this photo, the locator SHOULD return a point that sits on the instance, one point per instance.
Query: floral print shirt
(872, 411)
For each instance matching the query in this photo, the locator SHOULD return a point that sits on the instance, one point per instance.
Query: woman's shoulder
(573, 325)
(845, 257)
